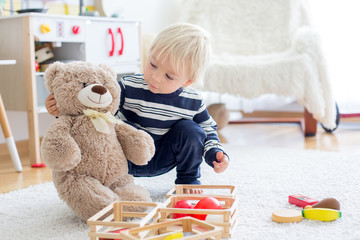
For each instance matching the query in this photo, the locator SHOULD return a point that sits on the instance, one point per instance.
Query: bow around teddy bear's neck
(101, 120)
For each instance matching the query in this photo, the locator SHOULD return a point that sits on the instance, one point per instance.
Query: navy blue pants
(182, 147)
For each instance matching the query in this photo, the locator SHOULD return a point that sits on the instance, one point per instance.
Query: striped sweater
(157, 113)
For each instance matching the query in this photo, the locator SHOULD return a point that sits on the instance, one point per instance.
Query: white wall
(19, 126)
(154, 15)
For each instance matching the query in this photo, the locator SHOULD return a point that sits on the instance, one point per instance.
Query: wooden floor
(345, 138)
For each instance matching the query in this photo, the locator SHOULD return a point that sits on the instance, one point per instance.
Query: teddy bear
(86, 147)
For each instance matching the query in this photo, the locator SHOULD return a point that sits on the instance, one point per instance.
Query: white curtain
(337, 22)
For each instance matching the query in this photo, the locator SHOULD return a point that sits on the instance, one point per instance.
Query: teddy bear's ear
(50, 74)
(108, 70)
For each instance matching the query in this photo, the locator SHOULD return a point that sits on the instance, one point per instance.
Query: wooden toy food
(174, 236)
(321, 214)
(331, 203)
(182, 204)
(301, 200)
(206, 203)
(287, 216)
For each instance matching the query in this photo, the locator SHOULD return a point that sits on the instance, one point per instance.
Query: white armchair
(263, 46)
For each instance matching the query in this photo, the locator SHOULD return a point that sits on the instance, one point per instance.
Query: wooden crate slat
(178, 189)
(102, 228)
(187, 225)
(101, 213)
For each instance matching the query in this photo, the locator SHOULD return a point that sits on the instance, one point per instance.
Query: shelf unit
(111, 41)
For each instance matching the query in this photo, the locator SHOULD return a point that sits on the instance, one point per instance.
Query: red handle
(122, 41)
(111, 53)
(76, 29)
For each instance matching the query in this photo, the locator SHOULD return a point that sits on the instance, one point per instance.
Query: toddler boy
(161, 103)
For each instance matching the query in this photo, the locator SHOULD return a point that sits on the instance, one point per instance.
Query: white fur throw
(263, 46)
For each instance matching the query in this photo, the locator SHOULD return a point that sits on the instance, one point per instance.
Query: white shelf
(7, 62)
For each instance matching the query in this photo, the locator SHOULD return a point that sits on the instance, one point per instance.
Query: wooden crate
(188, 227)
(208, 190)
(227, 214)
(113, 217)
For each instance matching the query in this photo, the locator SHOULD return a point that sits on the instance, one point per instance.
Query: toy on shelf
(208, 190)
(225, 217)
(43, 54)
(287, 216)
(107, 223)
(37, 68)
(301, 200)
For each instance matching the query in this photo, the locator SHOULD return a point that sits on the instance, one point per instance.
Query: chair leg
(310, 124)
(9, 138)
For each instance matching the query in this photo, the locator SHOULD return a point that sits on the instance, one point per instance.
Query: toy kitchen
(35, 40)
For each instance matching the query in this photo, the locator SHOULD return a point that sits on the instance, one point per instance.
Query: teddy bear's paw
(58, 149)
(138, 146)
(145, 149)
(61, 161)
(149, 144)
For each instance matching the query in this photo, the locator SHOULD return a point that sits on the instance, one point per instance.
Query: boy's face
(161, 77)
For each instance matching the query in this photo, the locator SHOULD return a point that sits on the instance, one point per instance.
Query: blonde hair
(186, 45)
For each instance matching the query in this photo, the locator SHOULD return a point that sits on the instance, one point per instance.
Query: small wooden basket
(227, 214)
(188, 227)
(104, 224)
(208, 190)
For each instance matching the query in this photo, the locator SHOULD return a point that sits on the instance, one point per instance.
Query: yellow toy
(174, 236)
(321, 214)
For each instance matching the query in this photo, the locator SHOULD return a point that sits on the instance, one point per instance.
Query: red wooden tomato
(182, 204)
(206, 203)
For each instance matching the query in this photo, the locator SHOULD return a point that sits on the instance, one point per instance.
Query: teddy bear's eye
(84, 84)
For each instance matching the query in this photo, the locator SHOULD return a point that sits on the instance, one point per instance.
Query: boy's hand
(50, 104)
(222, 162)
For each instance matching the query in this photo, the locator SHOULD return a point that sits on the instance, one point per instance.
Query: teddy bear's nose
(99, 89)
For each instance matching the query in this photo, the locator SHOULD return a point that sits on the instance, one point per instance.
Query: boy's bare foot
(193, 191)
